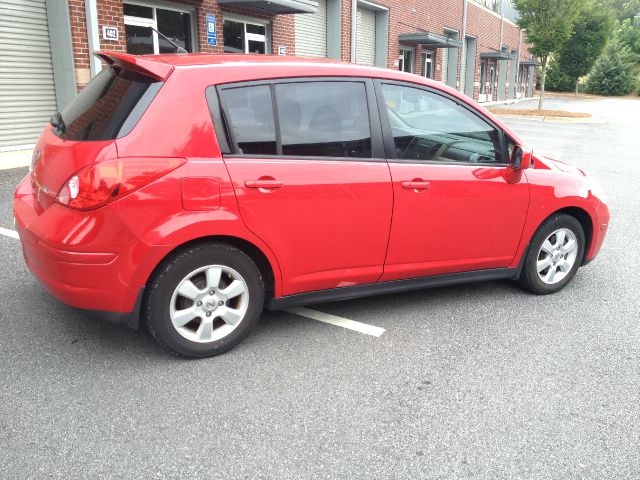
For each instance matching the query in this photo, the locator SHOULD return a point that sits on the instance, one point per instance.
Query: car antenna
(179, 49)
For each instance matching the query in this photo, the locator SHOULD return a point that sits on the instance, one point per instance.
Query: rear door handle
(266, 184)
(416, 185)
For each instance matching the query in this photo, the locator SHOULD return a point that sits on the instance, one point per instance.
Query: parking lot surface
(481, 380)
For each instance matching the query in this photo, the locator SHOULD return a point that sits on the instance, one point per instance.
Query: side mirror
(520, 159)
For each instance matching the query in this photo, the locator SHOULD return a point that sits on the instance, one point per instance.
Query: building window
(427, 63)
(141, 20)
(244, 37)
(406, 60)
(493, 5)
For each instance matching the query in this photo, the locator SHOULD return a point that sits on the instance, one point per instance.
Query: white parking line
(9, 233)
(337, 321)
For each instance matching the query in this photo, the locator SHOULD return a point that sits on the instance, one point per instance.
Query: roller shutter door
(27, 94)
(365, 36)
(311, 32)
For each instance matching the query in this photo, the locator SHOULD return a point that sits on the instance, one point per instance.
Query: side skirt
(394, 286)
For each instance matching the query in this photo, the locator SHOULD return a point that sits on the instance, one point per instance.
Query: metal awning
(428, 40)
(495, 56)
(529, 63)
(273, 7)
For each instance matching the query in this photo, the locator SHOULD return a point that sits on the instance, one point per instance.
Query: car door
(310, 177)
(457, 206)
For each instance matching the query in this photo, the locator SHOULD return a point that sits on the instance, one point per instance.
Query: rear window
(109, 106)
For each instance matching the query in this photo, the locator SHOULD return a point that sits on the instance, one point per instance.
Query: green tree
(547, 25)
(591, 30)
(614, 72)
(557, 79)
(629, 33)
(624, 9)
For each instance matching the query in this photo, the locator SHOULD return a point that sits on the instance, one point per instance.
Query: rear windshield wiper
(57, 122)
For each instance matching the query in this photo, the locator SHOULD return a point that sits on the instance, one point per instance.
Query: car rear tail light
(101, 183)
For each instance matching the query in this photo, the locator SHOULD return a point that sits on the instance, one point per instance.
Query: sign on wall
(211, 30)
(282, 50)
(110, 33)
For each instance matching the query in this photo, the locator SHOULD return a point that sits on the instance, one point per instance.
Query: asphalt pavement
(473, 381)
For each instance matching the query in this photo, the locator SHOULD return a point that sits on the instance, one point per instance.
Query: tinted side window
(430, 127)
(109, 106)
(326, 119)
(250, 114)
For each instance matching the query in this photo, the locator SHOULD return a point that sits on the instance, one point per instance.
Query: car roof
(177, 59)
(160, 67)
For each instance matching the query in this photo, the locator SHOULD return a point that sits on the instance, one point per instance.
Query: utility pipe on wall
(501, 24)
(93, 35)
(463, 50)
(354, 11)
(518, 79)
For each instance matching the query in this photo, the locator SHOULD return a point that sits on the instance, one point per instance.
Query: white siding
(311, 32)
(27, 94)
(365, 36)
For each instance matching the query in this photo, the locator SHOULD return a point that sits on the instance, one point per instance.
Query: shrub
(557, 80)
(615, 71)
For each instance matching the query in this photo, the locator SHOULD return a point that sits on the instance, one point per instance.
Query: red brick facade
(434, 16)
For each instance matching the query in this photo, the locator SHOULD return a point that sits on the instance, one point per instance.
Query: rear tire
(204, 300)
(554, 255)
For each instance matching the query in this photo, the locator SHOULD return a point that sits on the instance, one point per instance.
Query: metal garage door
(366, 37)
(27, 95)
(311, 32)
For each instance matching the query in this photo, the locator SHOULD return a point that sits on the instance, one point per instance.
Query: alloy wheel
(209, 303)
(557, 256)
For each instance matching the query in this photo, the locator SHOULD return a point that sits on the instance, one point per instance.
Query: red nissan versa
(189, 191)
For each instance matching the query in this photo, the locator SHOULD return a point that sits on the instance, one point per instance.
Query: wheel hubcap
(557, 256)
(209, 303)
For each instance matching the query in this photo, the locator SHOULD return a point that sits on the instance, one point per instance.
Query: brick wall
(110, 13)
(404, 17)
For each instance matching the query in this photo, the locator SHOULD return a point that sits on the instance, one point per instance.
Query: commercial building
(46, 45)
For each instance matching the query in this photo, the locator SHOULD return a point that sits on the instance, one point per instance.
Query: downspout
(93, 35)
(354, 8)
(501, 24)
(518, 79)
(463, 50)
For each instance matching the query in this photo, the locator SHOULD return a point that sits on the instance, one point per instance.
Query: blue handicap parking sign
(211, 30)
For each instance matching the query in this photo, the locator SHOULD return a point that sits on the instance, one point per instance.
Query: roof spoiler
(151, 68)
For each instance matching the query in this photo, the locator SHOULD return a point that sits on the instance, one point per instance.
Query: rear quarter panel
(178, 124)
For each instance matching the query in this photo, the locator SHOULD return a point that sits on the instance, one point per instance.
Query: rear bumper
(74, 264)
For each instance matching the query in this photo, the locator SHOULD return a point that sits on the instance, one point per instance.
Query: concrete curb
(15, 159)
(541, 118)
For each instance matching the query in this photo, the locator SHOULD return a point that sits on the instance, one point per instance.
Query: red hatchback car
(189, 191)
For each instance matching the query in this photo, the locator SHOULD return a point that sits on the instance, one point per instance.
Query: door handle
(416, 185)
(266, 184)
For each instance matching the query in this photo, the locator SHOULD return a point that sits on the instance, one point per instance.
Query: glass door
(406, 60)
(482, 95)
(427, 63)
(492, 85)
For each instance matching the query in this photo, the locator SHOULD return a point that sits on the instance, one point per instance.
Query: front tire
(204, 300)
(554, 255)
